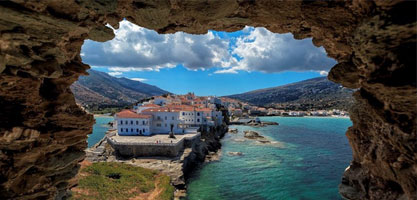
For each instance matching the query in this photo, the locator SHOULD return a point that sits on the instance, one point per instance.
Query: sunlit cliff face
(43, 132)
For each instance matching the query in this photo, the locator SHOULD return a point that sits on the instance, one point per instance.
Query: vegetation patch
(106, 109)
(106, 180)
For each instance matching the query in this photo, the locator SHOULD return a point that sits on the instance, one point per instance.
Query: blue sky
(217, 63)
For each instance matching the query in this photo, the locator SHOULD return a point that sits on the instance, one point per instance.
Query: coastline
(341, 117)
(101, 115)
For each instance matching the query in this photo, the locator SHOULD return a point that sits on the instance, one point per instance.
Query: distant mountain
(316, 93)
(101, 89)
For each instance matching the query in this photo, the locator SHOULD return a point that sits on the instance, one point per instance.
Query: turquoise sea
(99, 129)
(306, 160)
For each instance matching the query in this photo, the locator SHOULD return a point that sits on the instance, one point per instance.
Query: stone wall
(43, 132)
(189, 141)
(139, 149)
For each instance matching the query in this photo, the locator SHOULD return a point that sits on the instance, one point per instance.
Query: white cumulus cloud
(324, 73)
(115, 73)
(139, 79)
(138, 49)
(262, 50)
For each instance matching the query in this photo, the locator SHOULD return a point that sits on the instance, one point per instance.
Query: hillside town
(239, 109)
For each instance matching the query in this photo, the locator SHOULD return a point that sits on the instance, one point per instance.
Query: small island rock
(252, 135)
(235, 153)
(233, 130)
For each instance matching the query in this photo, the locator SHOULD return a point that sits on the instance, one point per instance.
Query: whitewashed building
(161, 101)
(163, 119)
(131, 123)
(191, 117)
(214, 100)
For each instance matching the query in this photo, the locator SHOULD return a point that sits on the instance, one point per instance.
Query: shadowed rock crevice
(43, 132)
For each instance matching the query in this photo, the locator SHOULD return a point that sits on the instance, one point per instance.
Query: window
(131, 122)
(166, 117)
(173, 118)
(137, 122)
(137, 130)
(165, 125)
(127, 122)
(198, 120)
(159, 118)
(143, 130)
(121, 130)
(183, 113)
(158, 125)
(143, 122)
(127, 130)
(131, 130)
(198, 114)
(121, 122)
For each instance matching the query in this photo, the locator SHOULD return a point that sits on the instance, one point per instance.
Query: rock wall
(43, 132)
(204, 149)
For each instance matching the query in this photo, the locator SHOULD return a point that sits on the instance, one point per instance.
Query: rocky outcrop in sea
(256, 136)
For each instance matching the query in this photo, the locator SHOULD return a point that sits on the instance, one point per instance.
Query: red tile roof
(151, 105)
(204, 109)
(131, 114)
(161, 109)
(171, 108)
(182, 107)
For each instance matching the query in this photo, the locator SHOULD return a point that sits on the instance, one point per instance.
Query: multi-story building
(131, 123)
(164, 120)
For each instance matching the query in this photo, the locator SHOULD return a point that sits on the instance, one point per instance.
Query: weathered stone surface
(252, 135)
(234, 153)
(43, 132)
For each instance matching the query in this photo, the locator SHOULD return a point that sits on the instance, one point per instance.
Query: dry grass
(121, 181)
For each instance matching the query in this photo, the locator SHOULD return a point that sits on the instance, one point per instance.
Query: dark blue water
(99, 129)
(305, 161)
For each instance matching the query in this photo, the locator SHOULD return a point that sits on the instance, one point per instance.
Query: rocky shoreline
(253, 123)
(179, 168)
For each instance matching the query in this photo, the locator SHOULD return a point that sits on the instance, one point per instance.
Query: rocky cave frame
(43, 132)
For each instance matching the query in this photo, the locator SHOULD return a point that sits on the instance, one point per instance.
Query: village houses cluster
(178, 114)
(241, 109)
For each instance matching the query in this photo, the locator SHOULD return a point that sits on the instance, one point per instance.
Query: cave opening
(40, 43)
